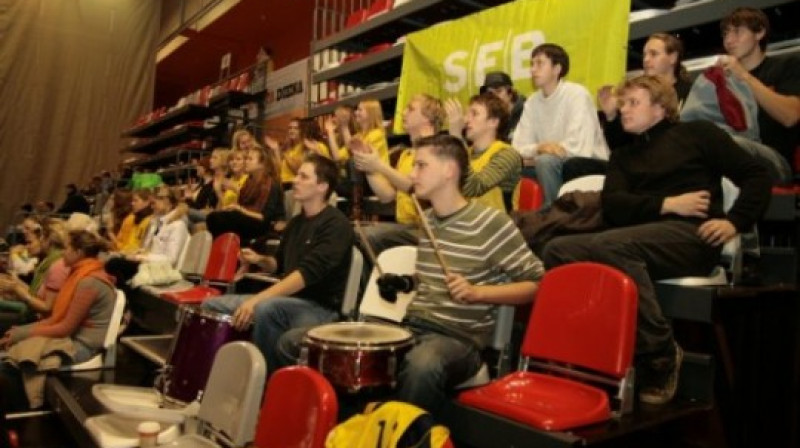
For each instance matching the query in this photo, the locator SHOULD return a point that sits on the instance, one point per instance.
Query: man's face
(305, 185)
(478, 123)
(740, 42)
(413, 119)
(430, 172)
(656, 59)
(543, 72)
(638, 112)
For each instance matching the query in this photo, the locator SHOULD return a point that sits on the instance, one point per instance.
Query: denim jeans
(548, 173)
(274, 317)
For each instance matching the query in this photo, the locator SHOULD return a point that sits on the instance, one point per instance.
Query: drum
(198, 337)
(352, 355)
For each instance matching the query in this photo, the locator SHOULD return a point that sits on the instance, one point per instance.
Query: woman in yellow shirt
(134, 226)
(228, 190)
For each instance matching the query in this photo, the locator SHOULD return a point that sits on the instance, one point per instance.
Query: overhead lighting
(214, 13)
(171, 46)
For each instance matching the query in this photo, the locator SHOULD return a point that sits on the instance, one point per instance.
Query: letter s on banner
(455, 67)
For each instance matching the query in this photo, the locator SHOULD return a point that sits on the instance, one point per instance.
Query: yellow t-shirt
(130, 235)
(405, 212)
(493, 197)
(296, 154)
(232, 197)
(376, 139)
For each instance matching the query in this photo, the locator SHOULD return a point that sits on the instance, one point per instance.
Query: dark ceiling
(280, 25)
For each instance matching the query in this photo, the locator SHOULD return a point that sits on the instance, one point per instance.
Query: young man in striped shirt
(489, 264)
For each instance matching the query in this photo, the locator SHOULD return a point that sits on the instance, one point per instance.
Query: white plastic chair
(107, 358)
(584, 183)
(194, 257)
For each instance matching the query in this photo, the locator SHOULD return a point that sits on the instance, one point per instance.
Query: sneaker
(663, 391)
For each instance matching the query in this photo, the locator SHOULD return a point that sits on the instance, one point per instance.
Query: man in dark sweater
(314, 257)
(662, 202)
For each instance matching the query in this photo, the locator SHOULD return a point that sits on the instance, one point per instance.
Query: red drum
(353, 355)
(198, 337)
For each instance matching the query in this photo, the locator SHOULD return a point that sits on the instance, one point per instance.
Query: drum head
(359, 333)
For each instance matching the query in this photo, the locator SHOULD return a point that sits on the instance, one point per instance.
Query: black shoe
(661, 382)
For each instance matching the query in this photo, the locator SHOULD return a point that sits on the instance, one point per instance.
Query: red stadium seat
(581, 333)
(530, 195)
(292, 393)
(356, 18)
(220, 269)
(379, 7)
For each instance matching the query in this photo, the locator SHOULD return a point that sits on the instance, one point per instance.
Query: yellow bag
(392, 424)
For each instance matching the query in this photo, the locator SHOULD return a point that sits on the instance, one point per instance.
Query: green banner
(451, 59)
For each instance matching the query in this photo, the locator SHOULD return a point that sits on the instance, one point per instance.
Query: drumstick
(368, 247)
(429, 232)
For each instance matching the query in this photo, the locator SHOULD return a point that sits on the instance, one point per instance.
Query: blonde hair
(235, 139)
(222, 154)
(661, 93)
(432, 109)
(374, 115)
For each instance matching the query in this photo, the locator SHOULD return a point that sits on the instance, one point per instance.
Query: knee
(549, 162)
(560, 250)
(421, 365)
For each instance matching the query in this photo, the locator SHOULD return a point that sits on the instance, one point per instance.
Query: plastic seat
(107, 358)
(378, 7)
(194, 258)
(220, 269)
(292, 393)
(581, 333)
(228, 410)
(530, 195)
(584, 183)
(356, 18)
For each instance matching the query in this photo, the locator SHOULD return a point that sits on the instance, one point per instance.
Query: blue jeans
(548, 173)
(274, 317)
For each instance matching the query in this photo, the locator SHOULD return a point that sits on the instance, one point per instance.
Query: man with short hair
(662, 202)
(314, 255)
(494, 166)
(422, 117)
(558, 122)
(774, 81)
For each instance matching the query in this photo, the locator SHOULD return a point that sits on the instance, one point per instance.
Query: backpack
(392, 424)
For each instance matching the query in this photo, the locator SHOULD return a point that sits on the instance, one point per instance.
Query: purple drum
(198, 337)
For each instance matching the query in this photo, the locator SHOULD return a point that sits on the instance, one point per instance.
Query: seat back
(108, 358)
(530, 195)
(585, 315)
(395, 260)
(300, 409)
(378, 7)
(223, 259)
(350, 297)
(593, 182)
(194, 257)
(230, 408)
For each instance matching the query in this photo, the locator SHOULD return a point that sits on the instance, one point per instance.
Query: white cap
(149, 427)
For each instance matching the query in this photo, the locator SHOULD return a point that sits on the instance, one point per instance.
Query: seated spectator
(228, 190)
(260, 203)
(163, 241)
(663, 56)
(559, 121)
(76, 334)
(774, 82)
(134, 227)
(21, 302)
(662, 203)
(499, 83)
(74, 202)
(494, 165)
(313, 258)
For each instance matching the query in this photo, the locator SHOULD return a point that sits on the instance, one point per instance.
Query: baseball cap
(496, 79)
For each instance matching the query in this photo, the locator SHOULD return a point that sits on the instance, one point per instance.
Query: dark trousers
(575, 167)
(246, 227)
(647, 253)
